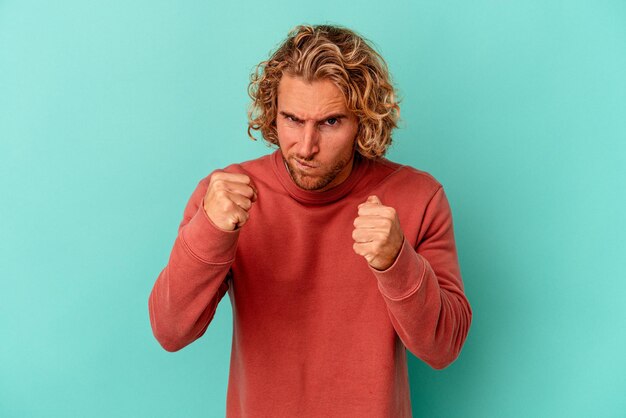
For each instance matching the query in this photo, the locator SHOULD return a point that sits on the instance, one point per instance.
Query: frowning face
(316, 132)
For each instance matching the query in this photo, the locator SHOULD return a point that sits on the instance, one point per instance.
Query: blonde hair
(338, 54)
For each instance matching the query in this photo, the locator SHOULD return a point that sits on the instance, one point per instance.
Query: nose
(309, 144)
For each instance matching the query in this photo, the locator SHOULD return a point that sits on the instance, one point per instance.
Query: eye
(292, 119)
(332, 121)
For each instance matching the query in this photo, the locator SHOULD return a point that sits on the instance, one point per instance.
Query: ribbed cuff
(404, 276)
(208, 242)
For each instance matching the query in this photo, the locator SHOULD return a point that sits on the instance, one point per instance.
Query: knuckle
(218, 184)
(221, 194)
(218, 175)
(227, 205)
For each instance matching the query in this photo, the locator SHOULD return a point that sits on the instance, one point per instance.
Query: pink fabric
(317, 332)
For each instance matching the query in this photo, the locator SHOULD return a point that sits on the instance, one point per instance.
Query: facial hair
(315, 182)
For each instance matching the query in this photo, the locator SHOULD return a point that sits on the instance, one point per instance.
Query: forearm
(184, 298)
(186, 293)
(429, 312)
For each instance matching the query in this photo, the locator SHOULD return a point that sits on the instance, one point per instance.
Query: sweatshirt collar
(311, 197)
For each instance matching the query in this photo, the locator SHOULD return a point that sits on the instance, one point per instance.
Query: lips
(304, 165)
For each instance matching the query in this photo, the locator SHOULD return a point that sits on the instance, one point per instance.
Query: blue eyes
(332, 121)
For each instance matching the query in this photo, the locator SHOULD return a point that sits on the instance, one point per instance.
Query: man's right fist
(228, 199)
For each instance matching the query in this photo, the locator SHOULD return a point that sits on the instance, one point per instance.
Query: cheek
(344, 141)
(286, 137)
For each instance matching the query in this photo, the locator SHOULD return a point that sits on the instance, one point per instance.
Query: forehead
(309, 100)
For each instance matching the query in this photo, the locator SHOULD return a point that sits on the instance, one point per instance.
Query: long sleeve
(424, 291)
(186, 293)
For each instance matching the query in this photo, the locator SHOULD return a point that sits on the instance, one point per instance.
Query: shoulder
(404, 177)
(416, 195)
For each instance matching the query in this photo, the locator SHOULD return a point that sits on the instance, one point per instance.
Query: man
(335, 259)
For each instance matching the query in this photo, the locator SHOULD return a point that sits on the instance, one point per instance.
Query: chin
(314, 183)
(311, 184)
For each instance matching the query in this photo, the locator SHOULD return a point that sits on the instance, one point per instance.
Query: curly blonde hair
(335, 53)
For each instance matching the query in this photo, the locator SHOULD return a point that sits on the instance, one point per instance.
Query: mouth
(303, 165)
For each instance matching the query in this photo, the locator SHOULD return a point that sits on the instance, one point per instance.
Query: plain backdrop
(112, 111)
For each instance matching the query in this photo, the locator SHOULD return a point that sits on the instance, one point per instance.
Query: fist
(228, 199)
(377, 234)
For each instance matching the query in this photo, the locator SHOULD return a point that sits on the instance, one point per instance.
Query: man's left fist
(377, 234)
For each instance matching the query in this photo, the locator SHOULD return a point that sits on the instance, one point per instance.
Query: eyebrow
(330, 116)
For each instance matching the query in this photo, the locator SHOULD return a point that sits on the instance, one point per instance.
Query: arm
(424, 293)
(187, 291)
(423, 289)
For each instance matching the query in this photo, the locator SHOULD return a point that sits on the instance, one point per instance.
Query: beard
(322, 176)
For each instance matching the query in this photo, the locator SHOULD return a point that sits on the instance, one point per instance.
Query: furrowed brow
(333, 116)
(290, 115)
(325, 118)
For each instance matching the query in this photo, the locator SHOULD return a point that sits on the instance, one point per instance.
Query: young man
(335, 259)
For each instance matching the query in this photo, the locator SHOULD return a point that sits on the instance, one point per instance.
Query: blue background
(111, 112)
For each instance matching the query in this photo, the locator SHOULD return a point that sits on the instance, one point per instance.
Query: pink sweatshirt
(317, 332)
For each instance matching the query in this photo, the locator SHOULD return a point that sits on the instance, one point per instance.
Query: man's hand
(377, 234)
(228, 199)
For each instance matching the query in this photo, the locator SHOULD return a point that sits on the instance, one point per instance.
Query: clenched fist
(228, 199)
(377, 234)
